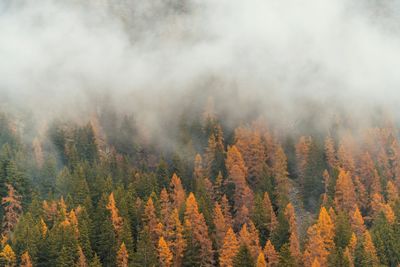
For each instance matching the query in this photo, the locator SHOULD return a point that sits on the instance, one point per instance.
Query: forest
(227, 133)
(98, 194)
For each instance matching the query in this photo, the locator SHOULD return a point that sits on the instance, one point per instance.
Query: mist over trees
(98, 194)
(224, 133)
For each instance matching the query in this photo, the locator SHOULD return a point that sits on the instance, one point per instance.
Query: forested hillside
(232, 133)
(98, 194)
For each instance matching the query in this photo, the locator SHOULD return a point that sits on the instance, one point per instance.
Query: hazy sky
(151, 55)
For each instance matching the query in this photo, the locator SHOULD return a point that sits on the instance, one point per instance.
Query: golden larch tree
(271, 255)
(165, 205)
(366, 170)
(392, 193)
(122, 256)
(294, 244)
(315, 248)
(302, 154)
(177, 192)
(250, 146)
(164, 254)
(261, 260)
(229, 249)
(345, 154)
(326, 229)
(384, 164)
(234, 158)
(82, 261)
(243, 196)
(26, 260)
(361, 192)
(349, 256)
(7, 256)
(174, 237)
(369, 249)
(330, 153)
(357, 222)
(151, 221)
(116, 220)
(345, 197)
(248, 236)
(352, 243)
(12, 209)
(226, 210)
(220, 225)
(196, 225)
(315, 263)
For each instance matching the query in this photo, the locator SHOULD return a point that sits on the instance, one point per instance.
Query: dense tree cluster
(98, 195)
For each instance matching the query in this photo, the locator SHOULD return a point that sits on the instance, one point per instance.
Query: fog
(284, 59)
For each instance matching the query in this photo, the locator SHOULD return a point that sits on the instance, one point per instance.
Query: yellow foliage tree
(261, 260)
(122, 256)
(229, 249)
(7, 256)
(271, 255)
(164, 254)
(26, 260)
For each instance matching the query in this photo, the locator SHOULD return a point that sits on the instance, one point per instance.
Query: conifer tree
(150, 221)
(220, 225)
(105, 241)
(271, 255)
(234, 158)
(115, 218)
(345, 154)
(26, 260)
(326, 229)
(330, 153)
(164, 254)
(357, 222)
(177, 193)
(261, 260)
(243, 258)
(280, 173)
(122, 256)
(82, 261)
(302, 156)
(12, 209)
(27, 236)
(196, 228)
(294, 244)
(249, 237)
(345, 197)
(271, 217)
(174, 236)
(386, 240)
(146, 253)
(285, 257)
(95, 262)
(249, 144)
(315, 248)
(371, 257)
(215, 152)
(315, 263)
(229, 249)
(226, 210)
(7, 257)
(165, 205)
